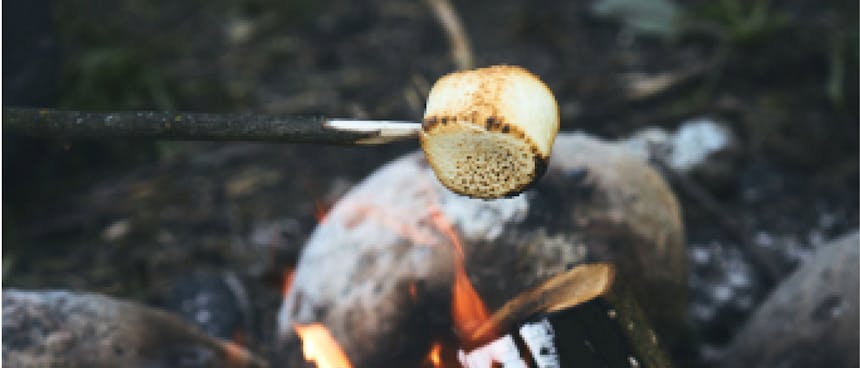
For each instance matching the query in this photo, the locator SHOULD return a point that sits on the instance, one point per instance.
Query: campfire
(475, 329)
(404, 272)
(468, 311)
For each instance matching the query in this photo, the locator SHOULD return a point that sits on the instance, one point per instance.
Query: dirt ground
(155, 221)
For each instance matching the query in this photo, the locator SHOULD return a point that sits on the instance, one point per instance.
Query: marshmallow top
(488, 133)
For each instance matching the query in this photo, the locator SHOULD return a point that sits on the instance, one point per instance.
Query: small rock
(116, 230)
(210, 302)
(701, 147)
(697, 141)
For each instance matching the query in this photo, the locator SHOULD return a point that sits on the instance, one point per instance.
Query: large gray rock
(66, 329)
(811, 319)
(380, 266)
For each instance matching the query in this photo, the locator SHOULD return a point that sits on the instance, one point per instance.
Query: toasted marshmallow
(488, 133)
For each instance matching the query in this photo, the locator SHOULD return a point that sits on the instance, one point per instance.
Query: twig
(461, 51)
(199, 126)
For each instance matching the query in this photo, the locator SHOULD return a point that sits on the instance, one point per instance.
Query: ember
(435, 355)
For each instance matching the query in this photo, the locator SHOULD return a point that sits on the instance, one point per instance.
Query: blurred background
(161, 222)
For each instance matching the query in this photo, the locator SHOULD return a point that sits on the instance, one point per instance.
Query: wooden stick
(461, 50)
(202, 126)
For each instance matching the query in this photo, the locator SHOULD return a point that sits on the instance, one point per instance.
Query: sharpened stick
(202, 126)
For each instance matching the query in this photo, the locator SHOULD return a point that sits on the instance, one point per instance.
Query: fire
(446, 228)
(288, 280)
(435, 355)
(320, 211)
(320, 347)
(413, 291)
(468, 311)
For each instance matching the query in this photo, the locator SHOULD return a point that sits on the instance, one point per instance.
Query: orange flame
(467, 309)
(447, 228)
(320, 211)
(413, 291)
(288, 280)
(320, 347)
(435, 355)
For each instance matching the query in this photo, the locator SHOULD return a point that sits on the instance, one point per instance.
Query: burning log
(579, 318)
(58, 328)
(562, 291)
(383, 265)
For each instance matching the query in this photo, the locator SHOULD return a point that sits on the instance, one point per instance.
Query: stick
(201, 126)
(461, 50)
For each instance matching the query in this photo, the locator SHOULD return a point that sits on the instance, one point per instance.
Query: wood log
(596, 202)
(66, 329)
(565, 290)
(578, 318)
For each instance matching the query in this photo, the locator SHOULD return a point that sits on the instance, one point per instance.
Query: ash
(724, 288)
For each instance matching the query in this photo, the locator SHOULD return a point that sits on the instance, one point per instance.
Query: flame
(445, 226)
(288, 280)
(320, 347)
(435, 355)
(468, 310)
(320, 211)
(413, 292)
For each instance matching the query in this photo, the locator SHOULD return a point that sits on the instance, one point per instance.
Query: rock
(698, 140)
(384, 238)
(60, 328)
(701, 147)
(217, 304)
(811, 319)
